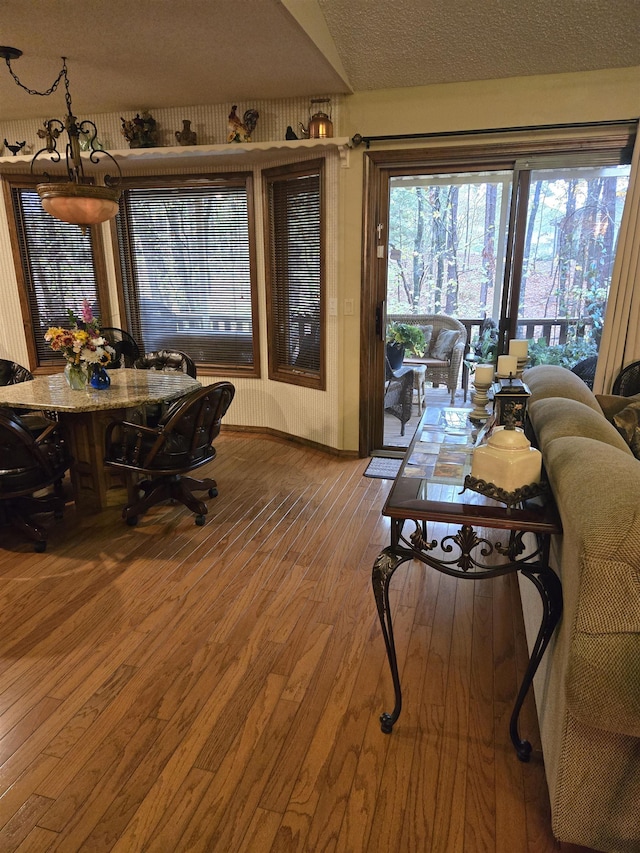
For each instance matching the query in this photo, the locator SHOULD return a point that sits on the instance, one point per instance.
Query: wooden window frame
(289, 373)
(237, 179)
(21, 182)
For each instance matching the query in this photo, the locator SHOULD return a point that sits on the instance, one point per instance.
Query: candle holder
(480, 401)
(522, 363)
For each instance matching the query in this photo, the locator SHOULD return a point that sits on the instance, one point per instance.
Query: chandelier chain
(51, 89)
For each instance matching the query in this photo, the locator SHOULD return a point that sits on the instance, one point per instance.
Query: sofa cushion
(443, 344)
(549, 380)
(597, 490)
(554, 417)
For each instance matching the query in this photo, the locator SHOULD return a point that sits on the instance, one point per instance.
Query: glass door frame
(512, 153)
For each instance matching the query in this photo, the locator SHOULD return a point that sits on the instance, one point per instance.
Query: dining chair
(167, 361)
(12, 373)
(30, 463)
(182, 442)
(125, 345)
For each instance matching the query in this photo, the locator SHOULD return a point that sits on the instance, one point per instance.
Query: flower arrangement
(81, 344)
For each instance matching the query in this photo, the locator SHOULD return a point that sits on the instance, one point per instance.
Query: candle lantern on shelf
(510, 401)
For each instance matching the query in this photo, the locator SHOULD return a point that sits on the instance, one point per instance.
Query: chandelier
(77, 200)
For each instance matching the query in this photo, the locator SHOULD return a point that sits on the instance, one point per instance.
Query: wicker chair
(398, 393)
(439, 371)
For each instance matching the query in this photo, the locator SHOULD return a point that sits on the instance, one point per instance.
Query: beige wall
(331, 417)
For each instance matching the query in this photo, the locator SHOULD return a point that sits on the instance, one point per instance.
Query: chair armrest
(130, 442)
(457, 354)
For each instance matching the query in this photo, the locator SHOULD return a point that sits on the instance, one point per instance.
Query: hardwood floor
(171, 687)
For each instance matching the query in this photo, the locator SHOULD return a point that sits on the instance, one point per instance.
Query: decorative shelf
(243, 152)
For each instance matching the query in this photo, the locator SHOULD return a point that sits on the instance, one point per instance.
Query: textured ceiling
(414, 43)
(125, 55)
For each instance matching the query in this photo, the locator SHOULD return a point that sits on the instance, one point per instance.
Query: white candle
(507, 365)
(519, 348)
(483, 374)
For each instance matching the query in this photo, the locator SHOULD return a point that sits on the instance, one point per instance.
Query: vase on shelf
(76, 376)
(99, 378)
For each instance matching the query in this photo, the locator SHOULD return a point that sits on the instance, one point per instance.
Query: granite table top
(129, 388)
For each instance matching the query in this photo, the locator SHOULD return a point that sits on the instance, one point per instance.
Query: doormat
(383, 467)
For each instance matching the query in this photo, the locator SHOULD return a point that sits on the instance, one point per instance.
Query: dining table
(85, 415)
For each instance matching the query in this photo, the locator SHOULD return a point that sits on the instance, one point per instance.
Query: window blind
(186, 258)
(58, 270)
(295, 275)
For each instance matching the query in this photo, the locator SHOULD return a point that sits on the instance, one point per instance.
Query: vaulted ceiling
(130, 54)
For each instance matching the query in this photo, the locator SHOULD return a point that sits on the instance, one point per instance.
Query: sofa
(587, 689)
(442, 360)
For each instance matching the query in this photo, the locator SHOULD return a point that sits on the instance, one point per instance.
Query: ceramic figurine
(240, 131)
(186, 136)
(141, 132)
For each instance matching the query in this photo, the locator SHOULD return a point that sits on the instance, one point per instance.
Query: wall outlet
(348, 307)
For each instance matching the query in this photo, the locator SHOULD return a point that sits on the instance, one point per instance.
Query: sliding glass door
(525, 250)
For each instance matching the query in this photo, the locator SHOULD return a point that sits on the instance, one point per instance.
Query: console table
(429, 490)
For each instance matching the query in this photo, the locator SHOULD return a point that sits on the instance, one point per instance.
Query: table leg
(385, 565)
(95, 486)
(548, 585)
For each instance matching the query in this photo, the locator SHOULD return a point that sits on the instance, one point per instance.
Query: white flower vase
(76, 376)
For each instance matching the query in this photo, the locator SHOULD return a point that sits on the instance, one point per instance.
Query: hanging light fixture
(77, 200)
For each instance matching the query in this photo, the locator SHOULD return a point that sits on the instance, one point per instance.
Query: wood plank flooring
(171, 687)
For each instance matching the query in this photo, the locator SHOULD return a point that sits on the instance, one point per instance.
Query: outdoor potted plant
(403, 337)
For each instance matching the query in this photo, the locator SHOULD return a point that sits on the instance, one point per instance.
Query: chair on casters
(12, 373)
(168, 361)
(28, 464)
(182, 441)
(127, 350)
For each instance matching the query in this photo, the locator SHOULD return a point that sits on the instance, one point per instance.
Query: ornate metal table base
(469, 560)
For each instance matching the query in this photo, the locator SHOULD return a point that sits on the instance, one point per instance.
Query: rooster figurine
(15, 148)
(240, 131)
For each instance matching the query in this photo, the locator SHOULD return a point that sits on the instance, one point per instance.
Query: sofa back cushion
(555, 417)
(549, 380)
(597, 489)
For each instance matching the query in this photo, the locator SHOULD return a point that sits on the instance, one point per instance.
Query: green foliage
(565, 355)
(485, 346)
(412, 337)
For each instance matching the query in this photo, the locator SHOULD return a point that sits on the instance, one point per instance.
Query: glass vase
(99, 377)
(76, 376)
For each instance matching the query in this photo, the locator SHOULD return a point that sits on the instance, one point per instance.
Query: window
(295, 274)
(187, 261)
(57, 266)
